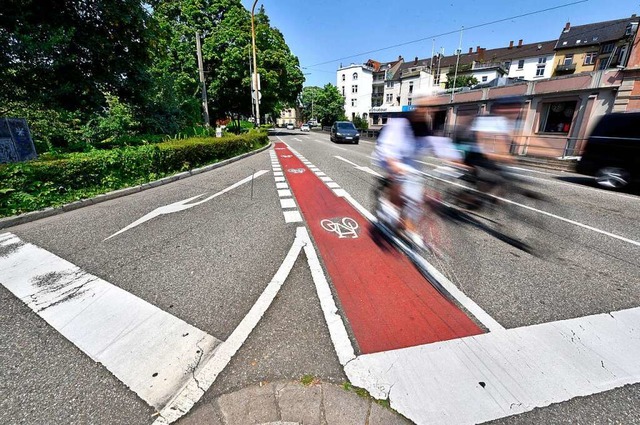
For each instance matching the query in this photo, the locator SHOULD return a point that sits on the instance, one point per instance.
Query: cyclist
(487, 145)
(401, 144)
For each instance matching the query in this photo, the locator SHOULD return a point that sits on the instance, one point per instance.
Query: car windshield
(346, 126)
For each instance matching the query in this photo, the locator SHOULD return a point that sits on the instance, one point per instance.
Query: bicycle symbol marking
(296, 170)
(287, 156)
(280, 149)
(344, 228)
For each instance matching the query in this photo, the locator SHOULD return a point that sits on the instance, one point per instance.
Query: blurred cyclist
(488, 143)
(401, 144)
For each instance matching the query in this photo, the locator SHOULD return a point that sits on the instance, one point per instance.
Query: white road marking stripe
(287, 203)
(333, 185)
(358, 167)
(341, 193)
(279, 178)
(320, 174)
(326, 179)
(281, 185)
(337, 330)
(149, 350)
(284, 193)
(575, 223)
(278, 173)
(191, 393)
(292, 216)
(184, 204)
(498, 374)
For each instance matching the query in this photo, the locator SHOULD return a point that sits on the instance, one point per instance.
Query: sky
(327, 33)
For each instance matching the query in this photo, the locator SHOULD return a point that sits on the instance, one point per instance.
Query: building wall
(287, 116)
(578, 58)
(421, 83)
(363, 82)
(528, 71)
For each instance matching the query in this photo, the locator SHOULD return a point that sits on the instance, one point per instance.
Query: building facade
(287, 116)
(355, 83)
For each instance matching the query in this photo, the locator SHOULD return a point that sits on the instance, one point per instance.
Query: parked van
(612, 152)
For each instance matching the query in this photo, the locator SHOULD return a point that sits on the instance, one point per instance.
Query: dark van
(612, 152)
(344, 131)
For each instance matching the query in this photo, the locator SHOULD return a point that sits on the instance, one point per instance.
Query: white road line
(292, 216)
(280, 179)
(325, 178)
(333, 185)
(337, 330)
(486, 377)
(287, 203)
(358, 167)
(282, 185)
(557, 217)
(284, 193)
(278, 173)
(149, 350)
(191, 393)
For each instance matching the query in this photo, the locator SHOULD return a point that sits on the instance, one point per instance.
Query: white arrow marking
(184, 205)
(358, 167)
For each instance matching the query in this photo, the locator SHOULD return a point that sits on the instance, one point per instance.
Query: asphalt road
(208, 265)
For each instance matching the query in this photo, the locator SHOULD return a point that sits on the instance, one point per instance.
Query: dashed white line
(287, 203)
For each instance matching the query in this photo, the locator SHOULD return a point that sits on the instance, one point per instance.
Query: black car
(344, 131)
(612, 152)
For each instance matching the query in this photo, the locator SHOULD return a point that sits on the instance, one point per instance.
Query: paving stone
(382, 416)
(205, 414)
(299, 403)
(342, 407)
(252, 405)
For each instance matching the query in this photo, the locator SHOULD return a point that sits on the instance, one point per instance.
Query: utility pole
(253, 104)
(455, 76)
(256, 77)
(205, 105)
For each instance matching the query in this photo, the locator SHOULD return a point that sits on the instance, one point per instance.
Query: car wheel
(613, 177)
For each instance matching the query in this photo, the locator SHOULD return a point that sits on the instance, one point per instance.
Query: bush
(55, 180)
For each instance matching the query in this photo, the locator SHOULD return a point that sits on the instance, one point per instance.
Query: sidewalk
(289, 403)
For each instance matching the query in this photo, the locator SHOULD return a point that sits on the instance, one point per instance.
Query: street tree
(461, 81)
(307, 101)
(329, 105)
(67, 54)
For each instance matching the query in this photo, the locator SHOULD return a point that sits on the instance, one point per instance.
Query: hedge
(42, 183)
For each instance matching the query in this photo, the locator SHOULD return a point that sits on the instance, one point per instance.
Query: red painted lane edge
(387, 302)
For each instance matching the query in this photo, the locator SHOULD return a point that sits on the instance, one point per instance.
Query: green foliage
(308, 99)
(329, 105)
(116, 121)
(64, 54)
(461, 81)
(58, 179)
(360, 123)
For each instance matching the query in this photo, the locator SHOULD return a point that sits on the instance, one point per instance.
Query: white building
(354, 82)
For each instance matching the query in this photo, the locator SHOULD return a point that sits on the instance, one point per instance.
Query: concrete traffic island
(289, 403)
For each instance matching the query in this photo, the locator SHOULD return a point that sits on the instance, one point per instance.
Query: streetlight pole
(256, 82)
(455, 77)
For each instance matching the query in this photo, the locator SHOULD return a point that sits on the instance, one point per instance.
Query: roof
(594, 34)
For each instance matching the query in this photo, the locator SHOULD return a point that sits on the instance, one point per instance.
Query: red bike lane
(387, 302)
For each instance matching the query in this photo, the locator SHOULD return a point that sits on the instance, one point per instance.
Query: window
(354, 102)
(507, 65)
(354, 89)
(568, 59)
(342, 77)
(342, 90)
(542, 64)
(389, 98)
(409, 101)
(390, 84)
(410, 88)
(484, 79)
(557, 117)
(521, 64)
(355, 76)
(590, 58)
(607, 48)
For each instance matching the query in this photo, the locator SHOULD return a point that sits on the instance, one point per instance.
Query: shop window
(557, 117)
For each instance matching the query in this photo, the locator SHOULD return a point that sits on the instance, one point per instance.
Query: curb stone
(51, 211)
(292, 403)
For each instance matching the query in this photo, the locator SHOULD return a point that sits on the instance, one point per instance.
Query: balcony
(566, 69)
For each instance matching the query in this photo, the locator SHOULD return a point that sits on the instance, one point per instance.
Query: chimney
(511, 44)
(520, 43)
(477, 49)
(470, 50)
(567, 27)
(415, 61)
(399, 58)
(481, 54)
